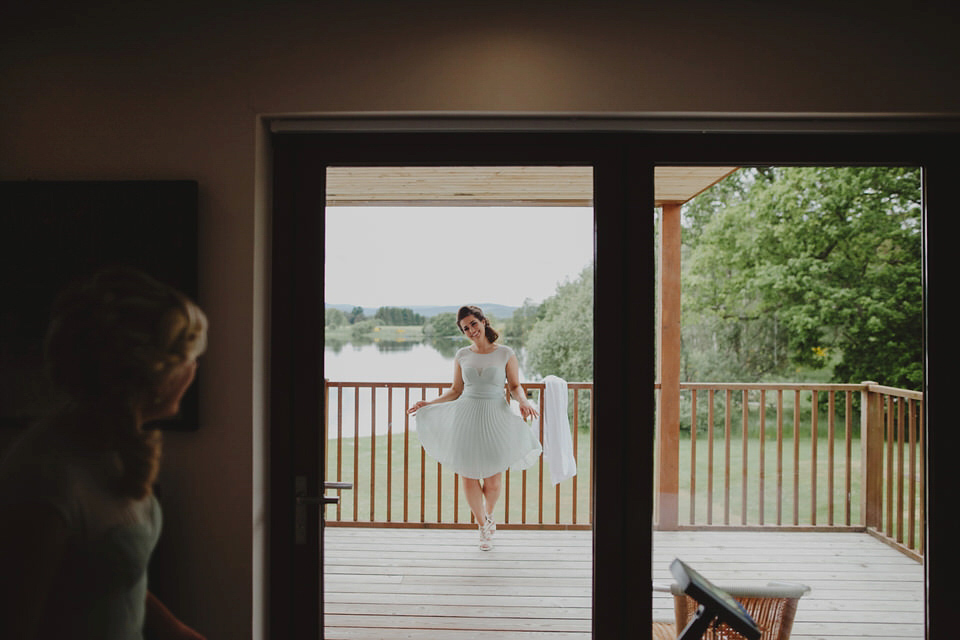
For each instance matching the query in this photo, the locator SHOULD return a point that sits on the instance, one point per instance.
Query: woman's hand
(527, 410)
(159, 623)
(412, 410)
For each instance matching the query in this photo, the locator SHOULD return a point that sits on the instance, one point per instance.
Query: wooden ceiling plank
(498, 186)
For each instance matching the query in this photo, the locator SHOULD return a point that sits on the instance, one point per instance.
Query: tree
(561, 342)
(808, 266)
(395, 316)
(335, 317)
(442, 325)
(522, 320)
(355, 315)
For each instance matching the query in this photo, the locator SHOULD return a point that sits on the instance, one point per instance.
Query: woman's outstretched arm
(454, 392)
(527, 410)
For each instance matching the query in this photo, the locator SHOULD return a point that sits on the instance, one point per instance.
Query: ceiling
(498, 186)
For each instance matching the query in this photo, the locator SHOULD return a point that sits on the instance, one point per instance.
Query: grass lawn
(795, 483)
(372, 501)
(372, 498)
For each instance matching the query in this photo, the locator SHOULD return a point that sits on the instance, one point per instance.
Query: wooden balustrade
(893, 496)
(813, 456)
(765, 456)
(786, 456)
(371, 443)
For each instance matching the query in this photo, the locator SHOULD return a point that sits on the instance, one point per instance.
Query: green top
(101, 587)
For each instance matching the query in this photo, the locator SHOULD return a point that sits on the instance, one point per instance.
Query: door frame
(623, 162)
(300, 163)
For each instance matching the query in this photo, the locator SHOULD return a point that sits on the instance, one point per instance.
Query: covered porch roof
(499, 186)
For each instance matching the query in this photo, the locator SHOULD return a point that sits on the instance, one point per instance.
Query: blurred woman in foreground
(78, 518)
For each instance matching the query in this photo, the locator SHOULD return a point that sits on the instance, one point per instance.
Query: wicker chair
(772, 607)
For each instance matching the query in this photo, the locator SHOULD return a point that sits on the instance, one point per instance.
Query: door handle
(324, 500)
(321, 500)
(302, 500)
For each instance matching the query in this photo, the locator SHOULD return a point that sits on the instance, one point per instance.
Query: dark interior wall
(172, 91)
(650, 57)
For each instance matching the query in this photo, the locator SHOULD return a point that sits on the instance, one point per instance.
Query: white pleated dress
(478, 435)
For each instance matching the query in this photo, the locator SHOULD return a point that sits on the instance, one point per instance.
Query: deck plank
(414, 583)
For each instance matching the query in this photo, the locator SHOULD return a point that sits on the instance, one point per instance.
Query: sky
(411, 256)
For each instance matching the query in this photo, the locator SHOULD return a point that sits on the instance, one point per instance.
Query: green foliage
(806, 267)
(522, 320)
(355, 315)
(442, 325)
(335, 317)
(363, 328)
(399, 317)
(561, 342)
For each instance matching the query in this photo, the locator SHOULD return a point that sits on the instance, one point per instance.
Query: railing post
(668, 355)
(326, 426)
(871, 468)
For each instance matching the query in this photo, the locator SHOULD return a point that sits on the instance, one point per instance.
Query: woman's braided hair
(113, 340)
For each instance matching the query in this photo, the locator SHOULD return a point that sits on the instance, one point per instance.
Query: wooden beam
(668, 356)
(872, 444)
(677, 185)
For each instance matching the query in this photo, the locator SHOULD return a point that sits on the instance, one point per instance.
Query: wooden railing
(893, 495)
(370, 443)
(765, 454)
(828, 457)
(803, 455)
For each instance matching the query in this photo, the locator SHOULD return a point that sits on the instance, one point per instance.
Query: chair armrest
(804, 589)
(770, 590)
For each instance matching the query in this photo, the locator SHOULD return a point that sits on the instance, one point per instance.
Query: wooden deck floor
(424, 584)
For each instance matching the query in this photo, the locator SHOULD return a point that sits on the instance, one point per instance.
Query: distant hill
(499, 311)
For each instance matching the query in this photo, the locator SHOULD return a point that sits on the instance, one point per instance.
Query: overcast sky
(409, 256)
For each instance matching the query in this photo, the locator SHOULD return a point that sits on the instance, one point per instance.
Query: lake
(395, 361)
(387, 362)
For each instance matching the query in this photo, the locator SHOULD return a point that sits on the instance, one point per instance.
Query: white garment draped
(557, 442)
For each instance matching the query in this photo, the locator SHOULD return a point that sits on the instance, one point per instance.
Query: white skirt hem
(477, 437)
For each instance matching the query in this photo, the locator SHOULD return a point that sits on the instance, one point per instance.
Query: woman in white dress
(471, 429)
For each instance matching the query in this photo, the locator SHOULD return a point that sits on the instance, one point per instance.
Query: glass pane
(775, 457)
(405, 249)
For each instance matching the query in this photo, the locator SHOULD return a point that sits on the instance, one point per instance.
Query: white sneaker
(489, 526)
(486, 533)
(485, 544)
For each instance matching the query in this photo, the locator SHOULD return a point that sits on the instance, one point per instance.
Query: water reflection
(447, 347)
(376, 360)
(334, 345)
(423, 361)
